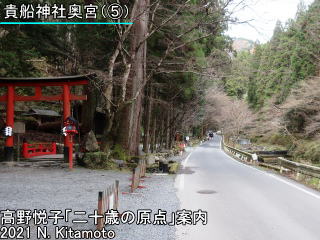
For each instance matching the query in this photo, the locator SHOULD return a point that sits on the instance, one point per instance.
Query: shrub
(97, 160)
(309, 151)
(281, 140)
(119, 153)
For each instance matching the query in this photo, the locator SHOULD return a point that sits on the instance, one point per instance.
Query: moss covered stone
(173, 168)
(98, 160)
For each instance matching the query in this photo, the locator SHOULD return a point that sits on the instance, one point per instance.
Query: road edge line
(276, 177)
(184, 162)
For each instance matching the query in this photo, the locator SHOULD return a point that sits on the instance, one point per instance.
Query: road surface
(244, 203)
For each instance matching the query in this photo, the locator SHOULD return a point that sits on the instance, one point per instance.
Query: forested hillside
(276, 67)
(280, 83)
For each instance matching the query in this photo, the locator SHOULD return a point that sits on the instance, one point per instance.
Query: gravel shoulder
(60, 189)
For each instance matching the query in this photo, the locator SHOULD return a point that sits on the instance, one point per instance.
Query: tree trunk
(148, 112)
(162, 134)
(153, 135)
(129, 131)
(88, 110)
(167, 145)
(172, 128)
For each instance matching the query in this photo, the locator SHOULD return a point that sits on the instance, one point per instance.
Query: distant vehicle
(211, 135)
(219, 132)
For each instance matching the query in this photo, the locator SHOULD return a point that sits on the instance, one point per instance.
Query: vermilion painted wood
(35, 98)
(38, 83)
(66, 114)
(38, 149)
(47, 81)
(10, 113)
(43, 84)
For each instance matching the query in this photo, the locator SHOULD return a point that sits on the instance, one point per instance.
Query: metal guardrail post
(298, 173)
(280, 165)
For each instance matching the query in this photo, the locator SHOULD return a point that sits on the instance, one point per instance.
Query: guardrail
(38, 149)
(281, 164)
(299, 168)
(107, 200)
(243, 156)
(272, 153)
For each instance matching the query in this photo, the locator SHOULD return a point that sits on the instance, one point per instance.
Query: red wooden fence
(38, 149)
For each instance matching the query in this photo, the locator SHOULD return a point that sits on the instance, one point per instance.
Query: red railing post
(54, 148)
(25, 150)
(66, 113)
(38, 149)
(9, 123)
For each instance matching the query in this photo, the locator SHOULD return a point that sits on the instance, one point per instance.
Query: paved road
(248, 204)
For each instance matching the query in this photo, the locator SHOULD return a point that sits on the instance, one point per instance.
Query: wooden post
(116, 207)
(100, 211)
(133, 180)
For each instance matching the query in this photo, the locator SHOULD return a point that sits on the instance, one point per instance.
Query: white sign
(19, 127)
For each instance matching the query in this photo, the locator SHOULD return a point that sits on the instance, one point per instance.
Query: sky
(263, 15)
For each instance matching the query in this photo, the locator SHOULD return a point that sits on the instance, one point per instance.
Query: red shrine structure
(66, 97)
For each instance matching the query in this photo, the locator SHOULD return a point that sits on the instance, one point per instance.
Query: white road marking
(181, 182)
(180, 178)
(184, 163)
(276, 177)
(242, 164)
(295, 186)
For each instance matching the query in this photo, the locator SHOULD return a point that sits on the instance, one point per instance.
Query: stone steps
(38, 163)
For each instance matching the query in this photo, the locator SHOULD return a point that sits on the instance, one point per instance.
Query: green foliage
(281, 140)
(277, 66)
(274, 141)
(174, 167)
(119, 153)
(97, 160)
(308, 151)
(197, 131)
(314, 182)
(75, 46)
(237, 83)
(15, 51)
